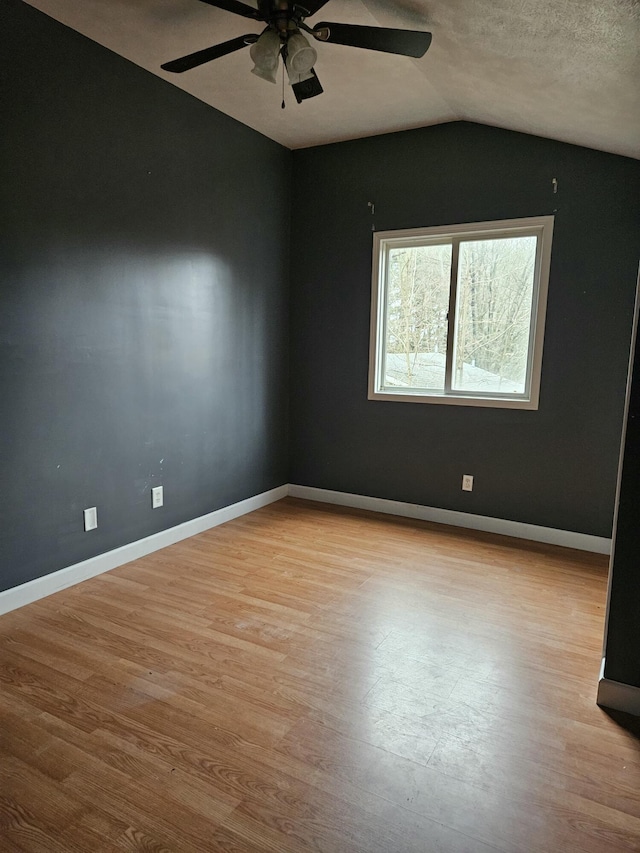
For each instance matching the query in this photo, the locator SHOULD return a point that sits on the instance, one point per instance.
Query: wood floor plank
(307, 678)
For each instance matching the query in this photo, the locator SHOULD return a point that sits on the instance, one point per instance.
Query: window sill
(453, 400)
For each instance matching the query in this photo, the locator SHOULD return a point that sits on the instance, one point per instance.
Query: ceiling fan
(282, 37)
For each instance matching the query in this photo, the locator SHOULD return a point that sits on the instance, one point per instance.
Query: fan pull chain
(283, 104)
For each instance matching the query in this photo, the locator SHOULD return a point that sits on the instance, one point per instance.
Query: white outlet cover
(157, 497)
(467, 482)
(90, 518)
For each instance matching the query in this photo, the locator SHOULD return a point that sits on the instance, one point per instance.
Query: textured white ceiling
(565, 69)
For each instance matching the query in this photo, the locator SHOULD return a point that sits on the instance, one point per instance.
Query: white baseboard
(41, 587)
(619, 696)
(520, 530)
(33, 590)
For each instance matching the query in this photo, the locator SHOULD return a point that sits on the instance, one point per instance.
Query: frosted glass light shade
(265, 54)
(301, 56)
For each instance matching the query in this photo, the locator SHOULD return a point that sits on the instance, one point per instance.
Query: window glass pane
(493, 315)
(416, 321)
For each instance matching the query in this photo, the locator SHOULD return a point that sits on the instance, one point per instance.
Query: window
(458, 313)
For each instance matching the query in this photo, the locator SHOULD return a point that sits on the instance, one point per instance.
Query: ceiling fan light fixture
(282, 37)
(265, 54)
(301, 56)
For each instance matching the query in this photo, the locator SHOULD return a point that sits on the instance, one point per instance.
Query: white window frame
(383, 241)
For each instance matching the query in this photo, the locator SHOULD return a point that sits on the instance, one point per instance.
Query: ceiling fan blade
(310, 7)
(236, 7)
(185, 63)
(403, 42)
(309, 88)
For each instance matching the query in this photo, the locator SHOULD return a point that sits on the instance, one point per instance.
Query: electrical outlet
(157, 497)
(467, 482)
(90, 518)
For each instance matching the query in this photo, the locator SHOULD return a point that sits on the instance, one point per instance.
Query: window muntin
(458, 313)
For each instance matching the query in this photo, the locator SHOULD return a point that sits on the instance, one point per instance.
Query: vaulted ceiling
(565, 69)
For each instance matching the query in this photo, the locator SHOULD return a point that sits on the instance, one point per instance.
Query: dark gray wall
(622, 642)
(554, 467)
(143, 301)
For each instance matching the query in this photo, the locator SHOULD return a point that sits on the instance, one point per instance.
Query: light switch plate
(90, 518)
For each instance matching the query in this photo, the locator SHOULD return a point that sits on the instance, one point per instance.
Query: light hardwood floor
(308, 678)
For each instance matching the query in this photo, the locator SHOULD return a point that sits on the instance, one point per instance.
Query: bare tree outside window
(418, 302)
(492, 277)
(495, 289)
